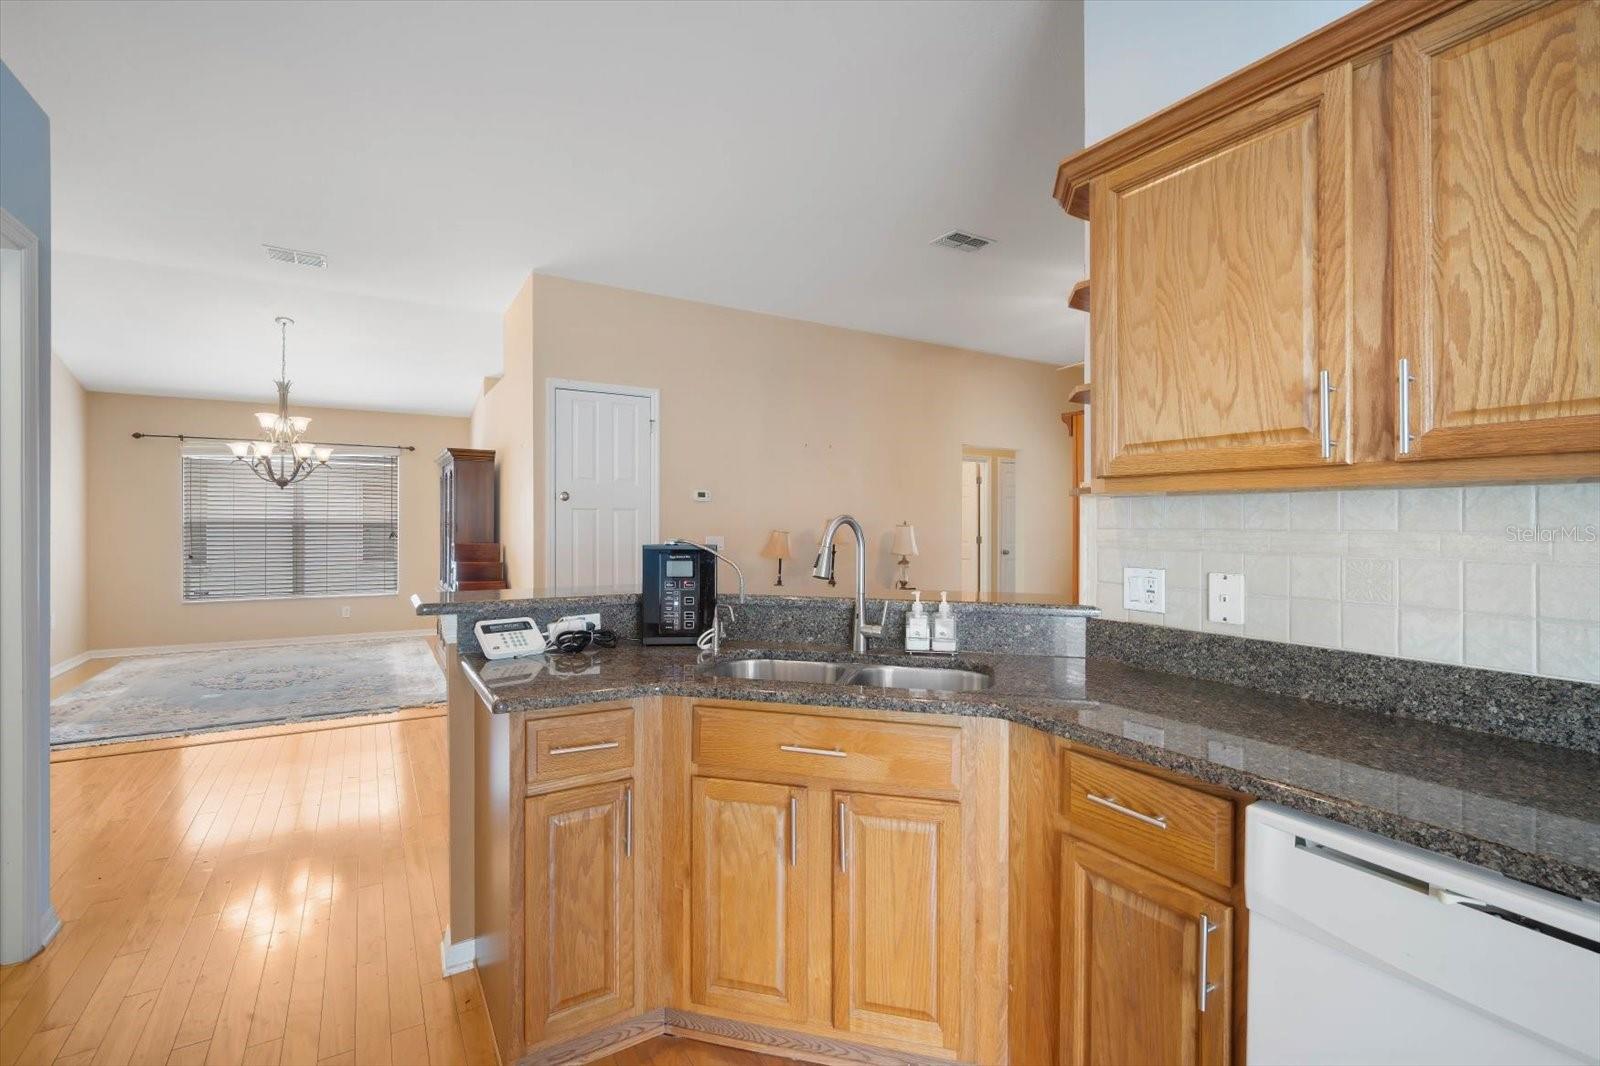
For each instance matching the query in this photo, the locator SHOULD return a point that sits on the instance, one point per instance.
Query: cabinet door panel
(1497, 229)
(1130, 960)
(1221, 291)
(579, 909)
(896, 926)
(748, 951)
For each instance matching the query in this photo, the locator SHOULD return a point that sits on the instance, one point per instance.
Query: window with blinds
(334, 534)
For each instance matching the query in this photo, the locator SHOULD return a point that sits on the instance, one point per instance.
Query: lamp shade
(777, 546)
(905, 540)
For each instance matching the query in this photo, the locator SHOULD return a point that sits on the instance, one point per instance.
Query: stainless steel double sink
(875, 675)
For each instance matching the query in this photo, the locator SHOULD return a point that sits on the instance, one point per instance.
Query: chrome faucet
(715, 645)
(823, 569)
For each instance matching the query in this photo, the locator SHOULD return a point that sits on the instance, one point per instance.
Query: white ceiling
(788, 158)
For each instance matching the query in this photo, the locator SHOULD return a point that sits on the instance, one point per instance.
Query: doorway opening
(988, 522)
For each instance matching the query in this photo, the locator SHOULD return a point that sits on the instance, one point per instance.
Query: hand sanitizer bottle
(917, 633)
(944, 627)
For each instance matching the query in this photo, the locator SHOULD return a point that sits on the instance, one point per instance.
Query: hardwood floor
(276, 899)
(266, 896)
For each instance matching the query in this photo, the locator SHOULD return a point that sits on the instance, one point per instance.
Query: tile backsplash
(1504, 577)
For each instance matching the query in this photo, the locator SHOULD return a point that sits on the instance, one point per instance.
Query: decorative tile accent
(1368, 581)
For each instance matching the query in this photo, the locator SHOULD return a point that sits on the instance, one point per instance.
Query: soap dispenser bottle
(917, 630)
(944, 627)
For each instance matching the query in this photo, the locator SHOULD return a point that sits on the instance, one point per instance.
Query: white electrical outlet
(567, 622)
(1144, 589)
(344, 611)
(1225, 598)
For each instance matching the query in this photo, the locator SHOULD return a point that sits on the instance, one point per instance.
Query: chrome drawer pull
(801, 749)
(844, 829)
(794, 829)
(1157, 820)
(576, 748)
(1405, 406)
(627, 839)
(1207, 927)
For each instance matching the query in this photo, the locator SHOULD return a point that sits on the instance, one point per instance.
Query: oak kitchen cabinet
(1370, 258)
(847, 884)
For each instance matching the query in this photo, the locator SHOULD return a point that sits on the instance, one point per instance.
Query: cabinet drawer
(584, 744)
(1166, 824)
(845, 749)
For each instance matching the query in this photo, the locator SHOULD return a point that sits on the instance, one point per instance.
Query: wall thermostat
(508, 638)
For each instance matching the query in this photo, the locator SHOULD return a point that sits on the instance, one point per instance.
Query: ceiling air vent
(294, 255)
(965, 242)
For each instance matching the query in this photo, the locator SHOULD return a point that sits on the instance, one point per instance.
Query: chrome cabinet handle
(576, 748)
(1157, 820)
(1325, 391)
(801, 749)
(844, 828)
(794, 824)
(1207, 927)
(1405, 406)
(627, 829)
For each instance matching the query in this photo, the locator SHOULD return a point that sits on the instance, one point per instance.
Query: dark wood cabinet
(470, 556)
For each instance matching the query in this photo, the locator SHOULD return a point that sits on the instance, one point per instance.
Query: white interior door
(604, 473)
(974, 525)
(1005, 522)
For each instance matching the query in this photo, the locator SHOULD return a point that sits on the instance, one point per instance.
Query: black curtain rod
(320, 443)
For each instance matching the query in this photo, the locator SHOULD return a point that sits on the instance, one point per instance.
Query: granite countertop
(1529, 811)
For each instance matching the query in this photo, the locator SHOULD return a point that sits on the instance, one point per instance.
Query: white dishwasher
(1363, 950)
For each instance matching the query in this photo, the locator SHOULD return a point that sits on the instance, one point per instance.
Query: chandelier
(282, 458)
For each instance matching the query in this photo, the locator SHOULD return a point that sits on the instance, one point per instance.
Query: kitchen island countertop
(1529, 811)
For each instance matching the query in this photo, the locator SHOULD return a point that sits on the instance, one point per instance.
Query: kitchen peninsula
(875, 874)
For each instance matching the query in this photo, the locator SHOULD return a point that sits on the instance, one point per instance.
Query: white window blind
(334, 534)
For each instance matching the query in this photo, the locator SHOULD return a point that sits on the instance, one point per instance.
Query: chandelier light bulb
(262, 449)
(300, 423)
(268, 420)
(302, 451)
(324, 454)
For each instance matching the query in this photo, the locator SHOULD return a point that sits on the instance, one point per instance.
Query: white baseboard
(457, 957)
(57, 669)
(228, 645)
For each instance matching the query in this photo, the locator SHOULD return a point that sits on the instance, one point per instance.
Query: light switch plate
(1225, 598)
(1144, 589)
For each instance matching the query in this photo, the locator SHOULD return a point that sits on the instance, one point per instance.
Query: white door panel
(604, 487)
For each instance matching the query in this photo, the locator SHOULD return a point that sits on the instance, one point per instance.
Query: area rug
(196, 692)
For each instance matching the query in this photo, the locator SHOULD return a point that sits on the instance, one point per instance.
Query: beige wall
(133, 523)
(788, 423)
(501, 420)
(69, 605)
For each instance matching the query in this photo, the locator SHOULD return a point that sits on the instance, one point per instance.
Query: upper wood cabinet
(896, 919)
(1221, 289)
(1407, 201)
(579, 883)
(747, 898)
(1497, 229)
